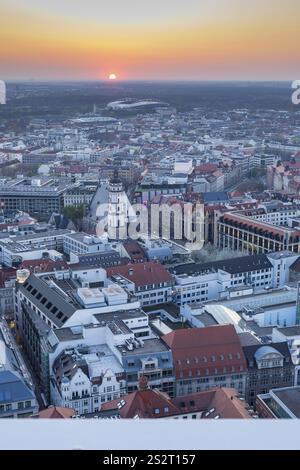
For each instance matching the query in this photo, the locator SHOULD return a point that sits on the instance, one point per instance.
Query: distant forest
(63, 99)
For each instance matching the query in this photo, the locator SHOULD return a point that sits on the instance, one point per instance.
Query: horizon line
(157, 80)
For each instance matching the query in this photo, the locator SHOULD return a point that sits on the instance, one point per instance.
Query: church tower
(117, 209)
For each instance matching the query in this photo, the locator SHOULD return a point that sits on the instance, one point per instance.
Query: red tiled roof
(142, 274)
(56, 412)
(224, 402)
(243, 219)
(150, 404)
(143, 404)
(6, 274)
(135, 251)
(206, 351)
(206, 168)
(42, 265)
(228, 405)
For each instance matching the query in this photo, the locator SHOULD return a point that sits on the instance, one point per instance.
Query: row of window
(212, 358)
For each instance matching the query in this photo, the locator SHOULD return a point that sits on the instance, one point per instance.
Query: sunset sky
(157, 39)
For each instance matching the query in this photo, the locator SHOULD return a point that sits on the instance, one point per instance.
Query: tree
(76, 214)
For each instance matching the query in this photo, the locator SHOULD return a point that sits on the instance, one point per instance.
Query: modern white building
(291, 336)
(81, 243)
(231, 278)
(15, 249)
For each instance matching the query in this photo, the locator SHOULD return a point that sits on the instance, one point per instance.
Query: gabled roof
(144, 404)
(206, 351)
(34, 286)
(149, 404)
(142, 274)
(56, 412)
(232, 265)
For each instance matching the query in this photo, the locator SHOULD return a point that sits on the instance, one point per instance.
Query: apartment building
(239, 232)
(205, 358)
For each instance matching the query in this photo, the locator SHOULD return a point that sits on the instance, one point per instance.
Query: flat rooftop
(150, 346)
(290, 397)
(290, 330)
(170, 308)
(120, 315)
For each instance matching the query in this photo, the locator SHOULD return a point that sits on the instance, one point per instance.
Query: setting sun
(112, 76)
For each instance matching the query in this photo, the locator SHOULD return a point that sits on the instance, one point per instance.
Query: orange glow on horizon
(246, 43)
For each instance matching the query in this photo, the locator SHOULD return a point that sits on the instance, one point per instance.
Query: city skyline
(224, 40)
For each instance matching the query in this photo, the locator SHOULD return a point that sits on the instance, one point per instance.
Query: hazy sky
(157, 39)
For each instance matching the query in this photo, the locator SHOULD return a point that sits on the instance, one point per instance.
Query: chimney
(143, 383)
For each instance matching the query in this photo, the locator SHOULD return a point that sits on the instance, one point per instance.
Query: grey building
(38, 309)
(269, 366)
(153, 358)
(39, 200)
(39, 158)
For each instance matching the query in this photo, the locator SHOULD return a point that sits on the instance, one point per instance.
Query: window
(28, 404)
(20, 405)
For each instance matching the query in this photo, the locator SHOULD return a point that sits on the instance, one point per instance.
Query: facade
(237, 231)
(6, 301)
(152, 359)
(149, 189)
(82, 243)
(39, 158)
(15, 250)
(79, 195)
(205, 358)
(290, 335)
(85, 378)
(36, 200)
(196, 282)
(150, 281)
(269, 366)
